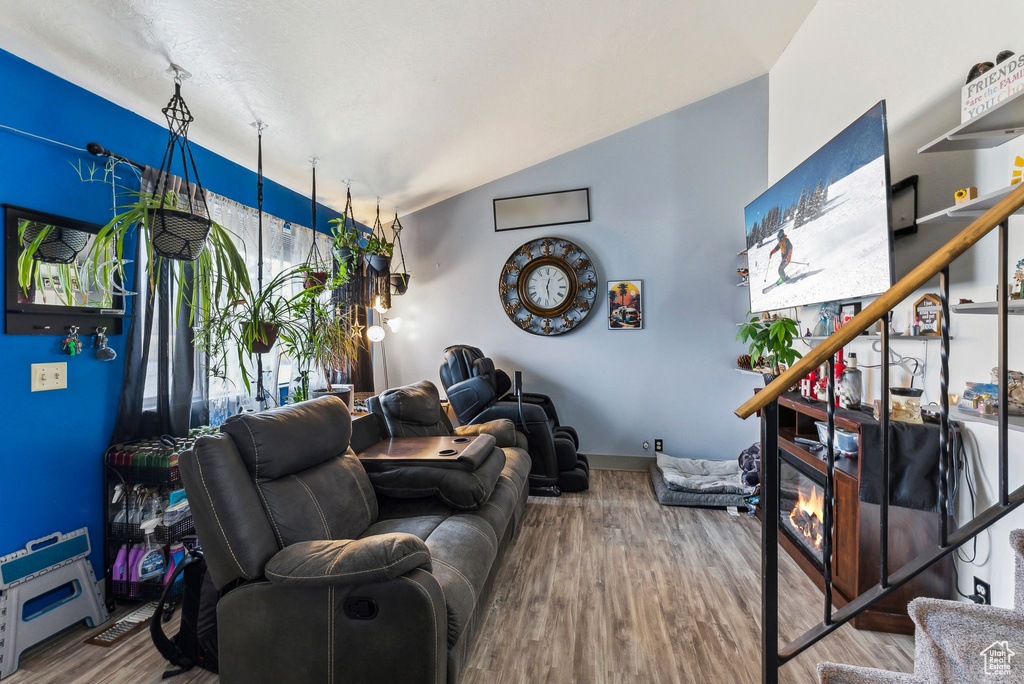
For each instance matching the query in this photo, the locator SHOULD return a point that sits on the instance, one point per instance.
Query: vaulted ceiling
(414, 101)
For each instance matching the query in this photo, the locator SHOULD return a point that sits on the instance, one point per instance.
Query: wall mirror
(544, 209)
(50, 285)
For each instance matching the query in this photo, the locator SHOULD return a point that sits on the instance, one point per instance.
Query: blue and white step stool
(57, 568)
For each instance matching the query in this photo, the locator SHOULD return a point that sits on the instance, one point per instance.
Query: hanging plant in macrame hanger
(349, 274)
(314, 269)
(180, 225)
(378, 260)
(399, 278)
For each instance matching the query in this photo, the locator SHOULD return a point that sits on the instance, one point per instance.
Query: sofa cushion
(463, 547)
(291, 438)
(331, 500)
(462, 550)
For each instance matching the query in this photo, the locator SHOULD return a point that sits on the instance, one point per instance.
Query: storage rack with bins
(149, 463)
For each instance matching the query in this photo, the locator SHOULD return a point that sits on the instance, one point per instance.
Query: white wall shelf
(1016, 308)
(877, 336)
(1016, 422)
(747, 371)
(968, 210)
(1001, 123)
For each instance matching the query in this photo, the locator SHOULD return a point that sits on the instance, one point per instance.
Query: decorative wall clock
(548, 286)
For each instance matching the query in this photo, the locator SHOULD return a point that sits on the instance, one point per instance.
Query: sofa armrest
(378, 558)
(503, 431)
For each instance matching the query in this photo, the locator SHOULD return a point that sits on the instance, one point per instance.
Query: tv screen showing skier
(822, 232)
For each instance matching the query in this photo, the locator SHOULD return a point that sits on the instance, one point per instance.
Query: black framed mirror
(48, 286)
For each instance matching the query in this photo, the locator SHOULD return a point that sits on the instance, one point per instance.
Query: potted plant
(400, 283)
(218, 272)
(378, 253)
(770, 343)
(249, 325)
(346, 245)
(314, 277)
(323, 339)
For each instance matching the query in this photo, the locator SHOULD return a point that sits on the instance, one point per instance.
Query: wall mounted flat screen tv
(822, 232)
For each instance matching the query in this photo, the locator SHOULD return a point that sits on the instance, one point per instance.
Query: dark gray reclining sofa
(330, 582)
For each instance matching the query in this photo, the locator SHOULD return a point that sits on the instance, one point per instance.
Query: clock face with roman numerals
(548, 286)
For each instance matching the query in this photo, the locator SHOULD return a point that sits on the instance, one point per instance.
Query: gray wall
(667, 198)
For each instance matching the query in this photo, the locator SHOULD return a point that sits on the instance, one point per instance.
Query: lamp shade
(375, 333)
(394, 323)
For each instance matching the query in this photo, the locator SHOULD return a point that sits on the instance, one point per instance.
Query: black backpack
(195, 645)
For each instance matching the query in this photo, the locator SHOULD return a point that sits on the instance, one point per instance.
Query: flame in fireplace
(808, 515)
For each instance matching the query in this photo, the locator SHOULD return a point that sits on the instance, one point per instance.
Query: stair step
(952, 637)
(835, 673)
(1017, 544)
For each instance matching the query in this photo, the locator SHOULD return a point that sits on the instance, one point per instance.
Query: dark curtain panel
(162, 393)
(362, 369)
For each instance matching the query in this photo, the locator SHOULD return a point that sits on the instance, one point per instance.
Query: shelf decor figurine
(928, 315)
(1018, 278)
(965, 195)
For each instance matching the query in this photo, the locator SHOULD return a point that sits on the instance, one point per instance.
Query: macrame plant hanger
(179, 231)
(379, 271)
(261, 390)
(399, 276)
(316, 276)
(353, 293)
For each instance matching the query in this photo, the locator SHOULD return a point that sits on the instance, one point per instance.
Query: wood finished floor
(604, 586)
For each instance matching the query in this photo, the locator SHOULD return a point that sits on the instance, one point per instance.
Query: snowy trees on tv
(811, 205)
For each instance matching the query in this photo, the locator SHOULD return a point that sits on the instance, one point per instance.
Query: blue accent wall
(52, 443)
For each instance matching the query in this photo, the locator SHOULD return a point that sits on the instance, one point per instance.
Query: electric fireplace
(801, 508)
(855, 540)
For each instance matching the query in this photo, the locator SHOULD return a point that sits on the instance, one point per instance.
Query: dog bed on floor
(672, 497)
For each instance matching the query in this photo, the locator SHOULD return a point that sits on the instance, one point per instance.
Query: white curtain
(284, 245)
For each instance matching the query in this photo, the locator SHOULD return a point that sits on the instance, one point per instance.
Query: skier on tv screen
(785, 247)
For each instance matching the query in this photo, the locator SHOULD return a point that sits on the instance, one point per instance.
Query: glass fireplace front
(801, 508)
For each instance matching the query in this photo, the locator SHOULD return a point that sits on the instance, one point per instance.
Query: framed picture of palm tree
(625, 305)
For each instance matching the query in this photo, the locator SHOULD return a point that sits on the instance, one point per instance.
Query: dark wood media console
(855, 555)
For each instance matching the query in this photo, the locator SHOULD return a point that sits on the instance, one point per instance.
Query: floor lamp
(376, 333)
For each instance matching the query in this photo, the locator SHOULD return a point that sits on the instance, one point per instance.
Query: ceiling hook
(259, 126)
(313, 159)
(180, 73)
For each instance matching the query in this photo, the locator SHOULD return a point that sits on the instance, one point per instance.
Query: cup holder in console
(460, 440)
(447, 452)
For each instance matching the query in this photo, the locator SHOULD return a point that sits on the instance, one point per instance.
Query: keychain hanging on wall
(71, 344)
(103, 352)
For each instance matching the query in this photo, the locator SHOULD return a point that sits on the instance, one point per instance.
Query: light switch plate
(49, 376)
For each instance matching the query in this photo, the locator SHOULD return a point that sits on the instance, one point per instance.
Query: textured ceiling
(415, 101)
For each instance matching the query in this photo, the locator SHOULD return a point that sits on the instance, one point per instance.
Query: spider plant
(249, 325)
(218, 274)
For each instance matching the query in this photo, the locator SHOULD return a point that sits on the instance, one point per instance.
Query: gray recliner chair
(327, 581)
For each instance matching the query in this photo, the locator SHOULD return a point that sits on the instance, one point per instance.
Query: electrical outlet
(49, 376)
(647, 445)
(983, 591)
(659, 445)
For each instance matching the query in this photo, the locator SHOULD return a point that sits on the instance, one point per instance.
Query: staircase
(950, 638)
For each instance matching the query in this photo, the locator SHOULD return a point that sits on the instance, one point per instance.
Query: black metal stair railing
(947, 541)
